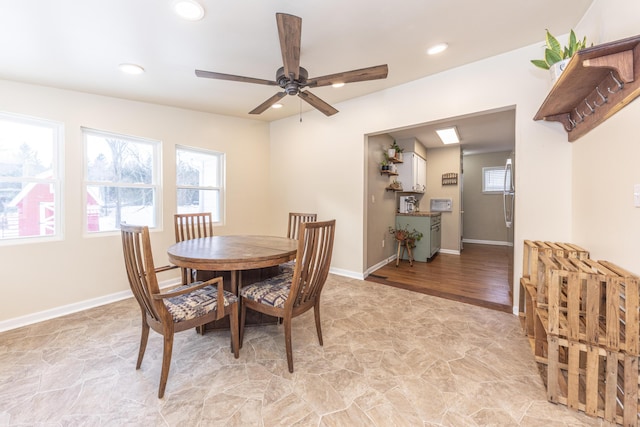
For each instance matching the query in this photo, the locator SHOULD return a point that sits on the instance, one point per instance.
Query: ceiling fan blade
(233, 78)
(317, 103)
(361, 75)
(268, 103)
(290, 33)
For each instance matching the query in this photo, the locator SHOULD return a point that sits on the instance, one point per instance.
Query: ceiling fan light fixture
(276, 105)
(131, 68)
(190, 10)
(337, 85)
(435, 49)
(448, 135)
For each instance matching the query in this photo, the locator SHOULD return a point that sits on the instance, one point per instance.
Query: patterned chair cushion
(287, 267)
(273, 291)
(197, 303)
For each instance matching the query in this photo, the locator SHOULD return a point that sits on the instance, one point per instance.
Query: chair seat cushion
(197, 303)
(273, 291)
(287, 267)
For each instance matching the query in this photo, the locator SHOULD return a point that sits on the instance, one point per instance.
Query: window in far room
(493, 179)
(200, 181)
(30, 179)
(122, 181)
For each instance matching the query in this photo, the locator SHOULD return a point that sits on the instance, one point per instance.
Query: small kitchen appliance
(407, 204)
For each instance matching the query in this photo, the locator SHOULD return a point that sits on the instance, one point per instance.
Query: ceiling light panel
(448, 135)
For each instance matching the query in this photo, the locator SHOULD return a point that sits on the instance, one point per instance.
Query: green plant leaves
(553, 45)
(540, 63)
(554, 52)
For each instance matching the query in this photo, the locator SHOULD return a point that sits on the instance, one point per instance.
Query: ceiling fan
(292, 78)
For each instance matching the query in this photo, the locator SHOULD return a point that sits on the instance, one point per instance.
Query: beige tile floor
(391, 358)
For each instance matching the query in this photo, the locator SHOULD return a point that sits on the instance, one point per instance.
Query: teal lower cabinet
(428, 224)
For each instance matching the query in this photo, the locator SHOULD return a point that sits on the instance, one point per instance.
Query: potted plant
(406, 236)
(556, 56)
(396, 185)
(395, 151)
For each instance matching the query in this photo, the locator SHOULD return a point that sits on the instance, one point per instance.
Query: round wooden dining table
(233, 253)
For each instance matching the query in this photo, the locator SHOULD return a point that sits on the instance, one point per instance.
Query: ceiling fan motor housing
(291, 86)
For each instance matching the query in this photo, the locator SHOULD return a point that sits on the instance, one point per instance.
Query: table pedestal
(233, 281)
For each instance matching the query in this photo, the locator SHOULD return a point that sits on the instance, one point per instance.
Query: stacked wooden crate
(583, 317)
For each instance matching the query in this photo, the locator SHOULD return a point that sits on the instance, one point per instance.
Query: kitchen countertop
(427, 213)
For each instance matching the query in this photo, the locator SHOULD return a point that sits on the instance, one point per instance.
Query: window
(200, 181)
(493, 179)
(30, 178)
(122, 181)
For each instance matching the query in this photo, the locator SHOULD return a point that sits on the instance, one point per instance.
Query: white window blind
(493, 179)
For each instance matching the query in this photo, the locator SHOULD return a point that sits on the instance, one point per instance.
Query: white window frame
(156, 176)
(221, 160)
(56, 180)
(485, 181)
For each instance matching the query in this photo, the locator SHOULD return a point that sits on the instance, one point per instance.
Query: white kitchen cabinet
(413, 172)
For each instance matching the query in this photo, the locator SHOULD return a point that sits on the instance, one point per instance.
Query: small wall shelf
(597, 82)
(388, 173)
(450, 178)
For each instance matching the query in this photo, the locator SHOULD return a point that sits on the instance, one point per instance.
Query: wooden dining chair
(288, 297)
(295, 220)
(185, 307)
(192, 226)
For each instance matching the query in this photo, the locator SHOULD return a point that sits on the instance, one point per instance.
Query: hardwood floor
(481, 275)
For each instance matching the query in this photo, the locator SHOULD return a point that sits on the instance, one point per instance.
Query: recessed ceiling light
(440, 47)
(131, 68)
(276, 106)
(337, 84)
(448, 135)
(189, 9)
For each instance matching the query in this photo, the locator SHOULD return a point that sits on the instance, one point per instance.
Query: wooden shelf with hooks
(597, 82)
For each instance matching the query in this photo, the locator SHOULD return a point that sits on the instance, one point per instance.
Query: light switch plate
(636, 195)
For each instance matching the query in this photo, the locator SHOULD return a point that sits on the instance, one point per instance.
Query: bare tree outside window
(121, 181)
(200, 181)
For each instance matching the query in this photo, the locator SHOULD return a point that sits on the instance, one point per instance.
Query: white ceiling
(78, 44)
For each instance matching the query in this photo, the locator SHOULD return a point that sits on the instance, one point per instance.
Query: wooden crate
(589, 378)
(597, 309)
(539, 258)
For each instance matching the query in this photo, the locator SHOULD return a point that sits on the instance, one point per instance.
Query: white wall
(605, 160)
(46, 276)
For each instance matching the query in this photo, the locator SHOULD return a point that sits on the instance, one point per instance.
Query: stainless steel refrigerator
(509, 195)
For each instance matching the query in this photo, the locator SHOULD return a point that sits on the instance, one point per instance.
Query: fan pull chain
(300, 110)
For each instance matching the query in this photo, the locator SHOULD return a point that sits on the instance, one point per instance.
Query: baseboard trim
(347, 273)
(449, 251)
(379, 265)
(41, 316)
(487, 242)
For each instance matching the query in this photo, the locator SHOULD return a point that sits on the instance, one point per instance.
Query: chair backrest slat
(193, 226)
(295, 220)
(313, 259)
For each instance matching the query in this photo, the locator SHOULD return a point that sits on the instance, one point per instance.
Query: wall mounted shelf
(597, 82)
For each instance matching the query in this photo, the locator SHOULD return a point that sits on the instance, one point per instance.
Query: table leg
(234, 281)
